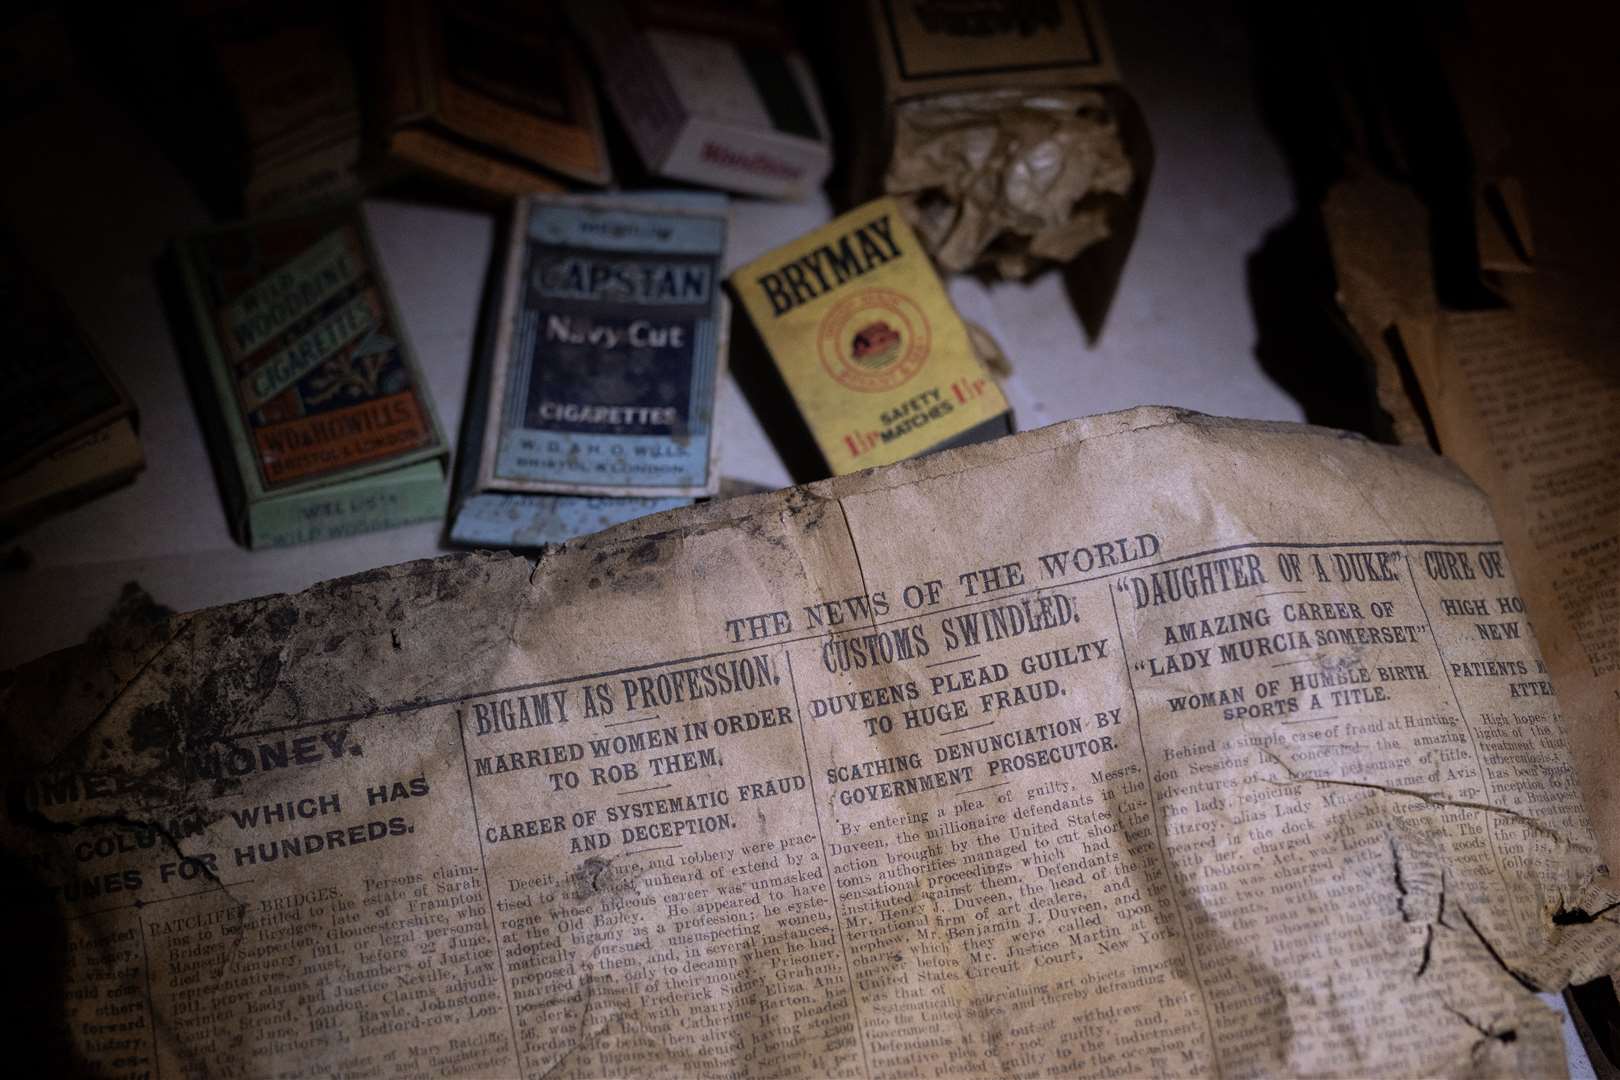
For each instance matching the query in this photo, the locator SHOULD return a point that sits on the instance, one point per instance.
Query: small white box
(708, 109)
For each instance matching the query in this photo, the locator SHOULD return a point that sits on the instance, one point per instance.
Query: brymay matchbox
(877, 362)
(318, 418)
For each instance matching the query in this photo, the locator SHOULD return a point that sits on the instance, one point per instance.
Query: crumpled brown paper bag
(1006, 179)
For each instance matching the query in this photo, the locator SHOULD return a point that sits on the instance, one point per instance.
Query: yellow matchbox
(873, 354)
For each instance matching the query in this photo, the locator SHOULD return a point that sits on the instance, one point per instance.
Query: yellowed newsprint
(1149, 744)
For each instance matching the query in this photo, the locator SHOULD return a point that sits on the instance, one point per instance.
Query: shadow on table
(1363, 83)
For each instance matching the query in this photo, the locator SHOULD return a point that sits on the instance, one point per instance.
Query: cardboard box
(488, 94)
(908, 50)
(577, 418)
(58, 388)
(737, 112)
(67, 427)
(287, 72)
(876, 359)
(98, 462)
(317, 414)
(939, 47)
(607, 351)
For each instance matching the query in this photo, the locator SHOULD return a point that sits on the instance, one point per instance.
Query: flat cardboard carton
(318, 416)
(875, 358)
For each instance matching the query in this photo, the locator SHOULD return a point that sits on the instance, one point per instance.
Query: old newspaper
(1145, 744)
(1526, 400)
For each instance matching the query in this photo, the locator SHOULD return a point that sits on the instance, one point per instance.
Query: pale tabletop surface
(93, 202)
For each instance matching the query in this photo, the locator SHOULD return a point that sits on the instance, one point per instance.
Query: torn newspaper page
(1527, 401)
(1143, 744)
(1377, 232)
